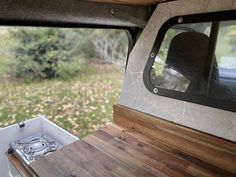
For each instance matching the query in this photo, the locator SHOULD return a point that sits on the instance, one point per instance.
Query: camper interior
(176, 116)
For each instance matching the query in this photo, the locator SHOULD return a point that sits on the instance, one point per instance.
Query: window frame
(213, 17)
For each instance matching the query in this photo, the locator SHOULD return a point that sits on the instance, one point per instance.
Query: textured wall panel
(135, 95)
(70, 12)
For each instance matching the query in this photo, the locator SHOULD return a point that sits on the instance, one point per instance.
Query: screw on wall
(113, 11)
(153, 55)
(180, 20)
(155, 90)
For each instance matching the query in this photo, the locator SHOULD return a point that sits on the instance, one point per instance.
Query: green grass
(80, 105)
(4, 66)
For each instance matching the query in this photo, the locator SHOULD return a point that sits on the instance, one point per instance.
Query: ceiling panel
(131, 2)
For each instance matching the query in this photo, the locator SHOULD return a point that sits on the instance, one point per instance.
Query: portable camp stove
(33, 147)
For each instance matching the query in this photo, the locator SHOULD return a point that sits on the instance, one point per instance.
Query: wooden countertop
(117, 152)
(140, 145)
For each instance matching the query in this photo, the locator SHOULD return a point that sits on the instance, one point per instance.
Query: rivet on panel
(155, 90)
(153, 55)
(180, 20)
(112, 11)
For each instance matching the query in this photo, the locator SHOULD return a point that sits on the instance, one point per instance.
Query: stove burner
(33, 147)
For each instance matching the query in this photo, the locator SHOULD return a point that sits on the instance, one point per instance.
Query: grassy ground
(80, 105)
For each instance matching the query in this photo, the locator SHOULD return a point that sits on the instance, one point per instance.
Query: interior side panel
(135, 95)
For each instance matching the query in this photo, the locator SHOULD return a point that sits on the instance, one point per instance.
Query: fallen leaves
(80, 106)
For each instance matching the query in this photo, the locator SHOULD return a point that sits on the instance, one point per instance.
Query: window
(72, 76)
(194, 59)
(178, 62)
(223, 80)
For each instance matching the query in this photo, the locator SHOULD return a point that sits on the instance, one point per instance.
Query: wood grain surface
(140, 145)
(208, 148)
(118, 152)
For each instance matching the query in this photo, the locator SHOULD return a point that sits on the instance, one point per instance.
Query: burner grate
(33, 147)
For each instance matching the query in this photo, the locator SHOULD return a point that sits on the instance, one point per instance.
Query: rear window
(72, 76)
(195, 61)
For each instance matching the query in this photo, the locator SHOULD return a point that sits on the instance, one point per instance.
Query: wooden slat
(66, 165)
(152, 157)
(140, 145)
(131, 162)
(115, 151)
(18, 165)
(44, 168)
(168, 149)
(130, 2)
(172, 159)
(212, 150)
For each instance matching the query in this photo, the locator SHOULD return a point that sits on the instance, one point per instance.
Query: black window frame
(214, 18)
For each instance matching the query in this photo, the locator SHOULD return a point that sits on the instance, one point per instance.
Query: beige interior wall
(135, 95)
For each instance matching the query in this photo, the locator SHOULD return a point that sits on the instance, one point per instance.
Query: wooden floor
(117, 152)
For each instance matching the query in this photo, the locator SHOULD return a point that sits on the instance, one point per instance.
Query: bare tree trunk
(110, 48)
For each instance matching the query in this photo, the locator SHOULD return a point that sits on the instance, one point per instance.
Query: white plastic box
(14, 132)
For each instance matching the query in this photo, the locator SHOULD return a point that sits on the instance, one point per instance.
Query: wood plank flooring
(118, 152)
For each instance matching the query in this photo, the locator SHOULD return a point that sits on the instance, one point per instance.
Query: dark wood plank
(66, 165)
(116, 151)
(131, 162)
(43, 168)
(158, 153)
(87, 159)
(157, 160)
(182, 131)
(151, 153)
(119, 152)
(95, 162)
(213, 150)
(168, 149)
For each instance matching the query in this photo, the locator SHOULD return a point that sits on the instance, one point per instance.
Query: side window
(223, 79)
(181, 58)
(194, 59)
(162, 75)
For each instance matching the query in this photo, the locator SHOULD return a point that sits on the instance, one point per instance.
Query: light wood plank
(18, 165)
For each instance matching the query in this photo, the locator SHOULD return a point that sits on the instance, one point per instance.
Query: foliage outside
(44, 53)
(66, 72)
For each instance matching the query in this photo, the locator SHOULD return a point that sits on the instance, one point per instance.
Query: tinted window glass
(180, 61)
(223, 80)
